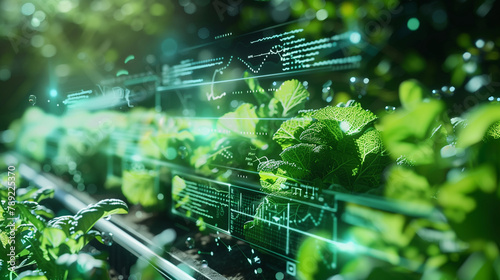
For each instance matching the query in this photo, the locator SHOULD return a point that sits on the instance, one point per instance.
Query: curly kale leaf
(335, 144)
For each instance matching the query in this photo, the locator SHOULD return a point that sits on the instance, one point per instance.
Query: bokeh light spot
(321, 14)
(28, 9)
(413, 24)
(49, 50)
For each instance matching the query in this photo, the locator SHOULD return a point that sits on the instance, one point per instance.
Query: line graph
(228, 208)
(283, 53)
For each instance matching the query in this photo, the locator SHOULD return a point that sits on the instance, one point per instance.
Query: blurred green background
(49, 46)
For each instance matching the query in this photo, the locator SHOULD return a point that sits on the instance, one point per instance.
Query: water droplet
(189, 243)
(448, 151)
(183, 152)
(327, 92)
(359, 85)
(107, 238)
(390, 109)
(491, 98)
(107, 218)
(32, 100)
(436, 94)
(447, 91)
(204, 263)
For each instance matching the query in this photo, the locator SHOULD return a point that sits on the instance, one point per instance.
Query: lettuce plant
(336, 146)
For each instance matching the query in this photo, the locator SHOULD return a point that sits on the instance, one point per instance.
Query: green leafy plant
(333, 145)
(47, 247)
(450, 165)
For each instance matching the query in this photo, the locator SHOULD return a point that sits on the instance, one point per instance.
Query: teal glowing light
(53, 93)
(413, 24)
(355, 37)
(129, 58)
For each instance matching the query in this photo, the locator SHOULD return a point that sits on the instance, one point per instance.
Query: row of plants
(416, 154)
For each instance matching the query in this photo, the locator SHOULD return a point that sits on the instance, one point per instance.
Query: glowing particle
(129, 58)
(28, 9)
(466, 56)
(413, 24)
(480, 43)
(390, 109)
(49, 50)
(121, 72)
(355, 37)
(321, 14)
(53, 93)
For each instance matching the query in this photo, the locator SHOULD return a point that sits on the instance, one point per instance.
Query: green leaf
(53, 236)
(139, 187)
(289, 132)
(352, 119)
(326, 132)
(372, 160)
(300, 155)
(407, 132)
(26, 209)
(411, 93)
(87, 217)
(406, 185)
(479, 120)
(494, 131)
(292, 96)
(83, 267)
(43, 211)
(62, 222)
(468, 200)
(258, 92)
(275, 173)
(51, 241)
(43, 194)
(240, 122)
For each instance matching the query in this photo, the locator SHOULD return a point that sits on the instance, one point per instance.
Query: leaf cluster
(336, 145)
(47, 246)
